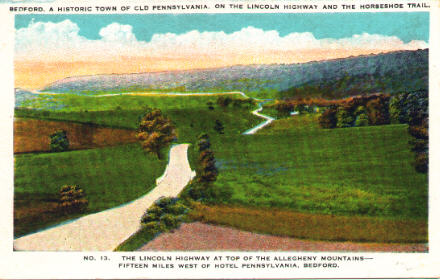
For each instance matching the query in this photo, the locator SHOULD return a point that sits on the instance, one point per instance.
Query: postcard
(219, 139)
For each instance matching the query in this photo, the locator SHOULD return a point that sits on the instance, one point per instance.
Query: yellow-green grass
(109, 176)
(314, 226)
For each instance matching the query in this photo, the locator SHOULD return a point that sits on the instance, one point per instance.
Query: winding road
(105, 230)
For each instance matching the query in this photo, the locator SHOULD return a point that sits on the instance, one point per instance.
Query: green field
(109, 176)
(350, 171)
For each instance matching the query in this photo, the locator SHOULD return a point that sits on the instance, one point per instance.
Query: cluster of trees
(412, 108)
(155, 132)
(409, 107)
(72, 199)
(357, 111)
(225, 101)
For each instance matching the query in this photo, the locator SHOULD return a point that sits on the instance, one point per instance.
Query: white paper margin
(72, 265)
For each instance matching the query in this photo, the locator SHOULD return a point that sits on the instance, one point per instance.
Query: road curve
(105, 230)
(261, 125)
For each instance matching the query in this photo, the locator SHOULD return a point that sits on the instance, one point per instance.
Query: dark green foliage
(219, 127)
(406, 106)
(166, 213)
(361, 120)
(329, 119)
(345, 117)
(59, 141)
(72, 199)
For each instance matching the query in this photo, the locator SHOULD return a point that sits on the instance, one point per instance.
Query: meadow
(349, 171)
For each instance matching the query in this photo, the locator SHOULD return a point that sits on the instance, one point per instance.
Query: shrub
(72, 199)
(219, 127)
(361, 120)
(344, 117)
(224, 101)
(203, 142)
(328, 119)
(59, 141)
(165, 214)
(421, 162)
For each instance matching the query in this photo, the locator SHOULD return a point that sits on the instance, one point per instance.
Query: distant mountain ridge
(391, 71)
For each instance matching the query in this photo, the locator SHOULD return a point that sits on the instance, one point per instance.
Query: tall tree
(155, 132)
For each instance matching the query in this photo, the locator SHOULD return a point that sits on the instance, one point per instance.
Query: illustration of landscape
(221, 132)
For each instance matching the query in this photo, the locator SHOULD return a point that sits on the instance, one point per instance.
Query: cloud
(48, 41)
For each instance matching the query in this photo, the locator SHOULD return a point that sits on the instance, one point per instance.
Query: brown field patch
(203, 237)
(32, 135)
(314, 226)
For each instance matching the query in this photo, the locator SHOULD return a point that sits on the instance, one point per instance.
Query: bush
(421, 162)
(165, 214)
(344, 117)
(59, 141)
(219, 127)
(361, 120)
(328, 119)
(72, 199)
(377, 110)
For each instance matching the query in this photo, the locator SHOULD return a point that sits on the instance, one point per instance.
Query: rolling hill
(389, 72)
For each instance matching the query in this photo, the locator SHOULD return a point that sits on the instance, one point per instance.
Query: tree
(328, 119)
(219, 127)
(155, 132)
(377, 110)
(224, 101)
(59, 141)
(344, 117)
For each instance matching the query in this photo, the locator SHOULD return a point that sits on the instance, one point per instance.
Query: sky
(51, 47)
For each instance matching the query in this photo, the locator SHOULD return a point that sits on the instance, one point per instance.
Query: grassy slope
(109, 176)
(190, 113)
(296, 165)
